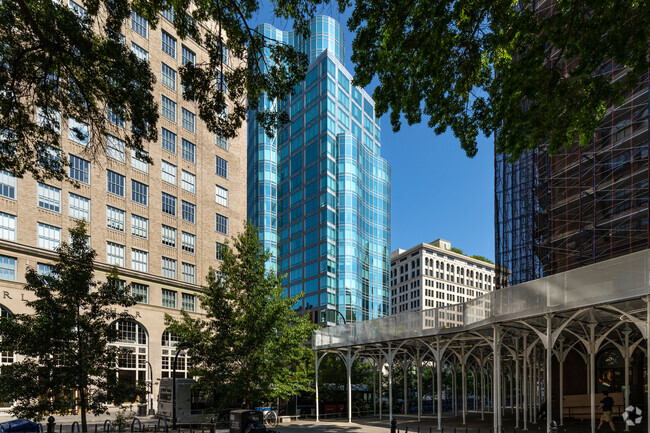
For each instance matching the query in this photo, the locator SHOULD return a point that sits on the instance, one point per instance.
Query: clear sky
(437, 191)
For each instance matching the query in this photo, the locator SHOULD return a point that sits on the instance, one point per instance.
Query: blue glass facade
(320, 190)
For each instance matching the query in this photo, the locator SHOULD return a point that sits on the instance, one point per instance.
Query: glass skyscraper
(320, 191)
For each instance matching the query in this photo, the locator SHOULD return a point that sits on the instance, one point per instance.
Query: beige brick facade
(19, 247)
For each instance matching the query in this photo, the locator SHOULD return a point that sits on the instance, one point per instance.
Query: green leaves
(252, 345)
(529, 77)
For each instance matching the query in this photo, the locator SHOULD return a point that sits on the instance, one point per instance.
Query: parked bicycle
(270, 418)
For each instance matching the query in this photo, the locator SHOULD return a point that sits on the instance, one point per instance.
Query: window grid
(7, 184)
(221, 196)
(79, 207)
(115, 218)
(78, 132)
(188, 274)
(140, 52)
(222, 224)
(79, 169)
(137, 163)
(222, 142)
(219, 251)
(168, 76)
(139, 192)
(139, 226)
(168, 236)
(115, 148)
(188, 211)
(168, 297)
(49, 198)
(7, 268)
(115, 183)
(188, 181)
(187, 55)
(115, 254)
(189, 150)
(168, 204)
(168, 108)
(188, 242)
(222, 167)
(168, 44)
(168, 172)
(168, 140)
(7, 226)
(188, 302)
(169, 269)
(188, 120)
(49, 237)
(140, 293)
(139, 260)
(139, 24)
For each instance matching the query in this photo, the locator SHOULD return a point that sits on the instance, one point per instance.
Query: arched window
(169, 342)
(132, 360)
(610, 374)
(6, 357)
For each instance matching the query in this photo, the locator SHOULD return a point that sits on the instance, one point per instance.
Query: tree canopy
(529, 75)
(251, 346)
(67, 60)
(65, 343)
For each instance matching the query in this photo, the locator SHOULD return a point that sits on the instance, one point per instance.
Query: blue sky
(437, 191)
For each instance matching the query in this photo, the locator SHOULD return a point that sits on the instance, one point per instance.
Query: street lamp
(182, 346)
(151, 411)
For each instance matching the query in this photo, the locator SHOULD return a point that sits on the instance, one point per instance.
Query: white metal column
(419, 370)
(317, 361)
(517, 382)
(439, 382)
(549, 371)
(592, 373)
(525, 390)
(463, 379)
(626, 357)
(561, 393)
(496, 388)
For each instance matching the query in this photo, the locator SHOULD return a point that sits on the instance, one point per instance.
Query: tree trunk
(83, 405)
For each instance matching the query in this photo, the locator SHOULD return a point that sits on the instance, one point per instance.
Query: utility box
(247, 421)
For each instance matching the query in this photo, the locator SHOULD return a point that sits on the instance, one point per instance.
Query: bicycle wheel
(271, 419)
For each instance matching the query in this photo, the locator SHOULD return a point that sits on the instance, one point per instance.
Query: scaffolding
(582, 205)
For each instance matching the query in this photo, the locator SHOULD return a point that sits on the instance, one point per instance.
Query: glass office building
(320, 191)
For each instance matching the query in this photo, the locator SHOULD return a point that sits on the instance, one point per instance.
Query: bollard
(50, 424)
(60, 428)
(393, 425)
(553, 427)
(212, 423)
(407, 429)
(95, 428)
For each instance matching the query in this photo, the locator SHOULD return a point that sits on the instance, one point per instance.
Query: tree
(527, 75)
(68, 361)
(70, 62)
(251, 347)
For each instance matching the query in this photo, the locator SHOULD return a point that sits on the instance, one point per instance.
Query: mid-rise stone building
(162, 224)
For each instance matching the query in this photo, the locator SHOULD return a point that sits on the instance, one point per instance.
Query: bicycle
(270, 418)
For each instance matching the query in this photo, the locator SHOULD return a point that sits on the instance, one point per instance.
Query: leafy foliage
(251, 347)
(69, 60)
(483, 259)
(500, 67)
(457, 250)
(65, 342)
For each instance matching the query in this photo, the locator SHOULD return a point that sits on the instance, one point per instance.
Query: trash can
(246, 421)
(142, 409)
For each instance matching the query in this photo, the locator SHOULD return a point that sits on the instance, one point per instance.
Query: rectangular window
(115, 254)
(114, 117)
(139, 192)
(7, 268)
(168, 140)
(140, 293)
(168, 172)
(139, 226)
(222, 142)
(79, 169)
(222, 167)
(7, 184)
(43, 269)
(188, 301)
(137, 163)
(219, 251)
(188, 211)
(188, 181)
(49, 197)
(169, 269)
(168, 76)
(78, 132)
(222, 196)
(115, 183)
(188, 242)
(187, 55)
(115, 148)
(140, 52)
(168, 236)
(222, 224)
(78, 10)
(78, 207)
(7, 226)
(188, 120)
(168, 108)
(168, 44)
(189, 150)
(188, 274)
(139, 24)
(168, 297)
(139, 260)
(49, 237)
(115, 218)
(169, 13)
(168, 204)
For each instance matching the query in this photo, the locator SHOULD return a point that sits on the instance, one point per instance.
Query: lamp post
(342, 316)
(184, 345)
(151, 412)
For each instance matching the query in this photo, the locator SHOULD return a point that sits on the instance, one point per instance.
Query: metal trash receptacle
(142, 409)
(247, 421)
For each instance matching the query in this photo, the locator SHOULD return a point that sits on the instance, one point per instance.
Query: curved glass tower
(320, 190)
